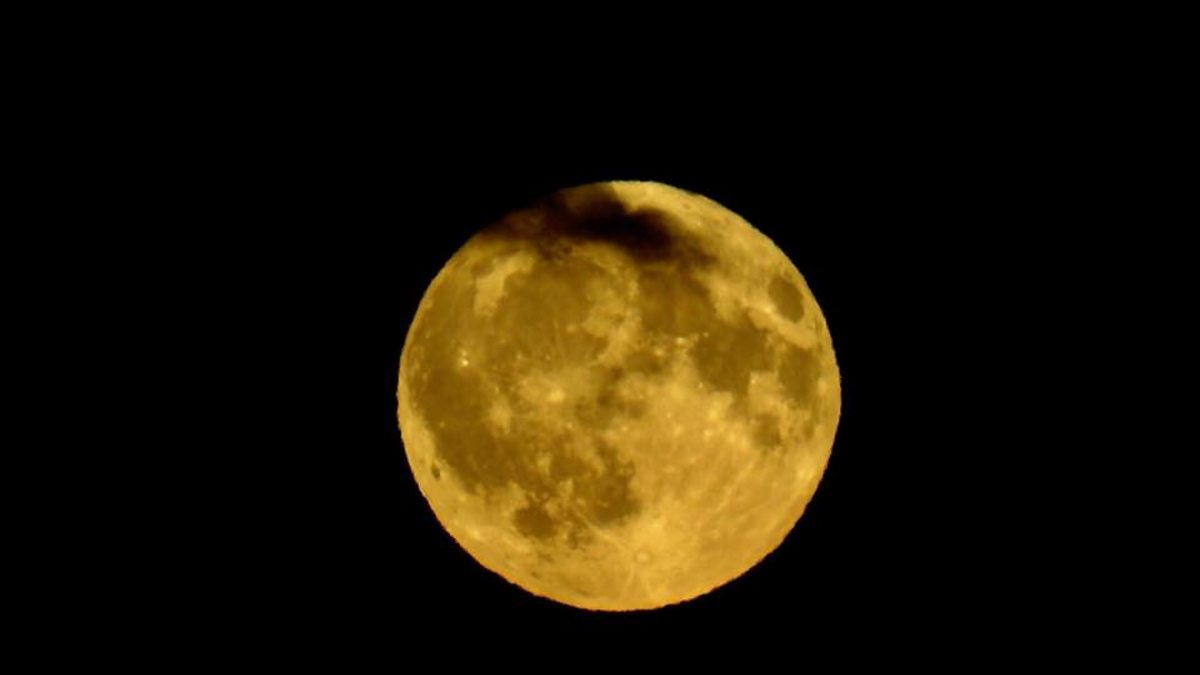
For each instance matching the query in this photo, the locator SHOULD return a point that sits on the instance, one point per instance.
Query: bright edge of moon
(620, 397)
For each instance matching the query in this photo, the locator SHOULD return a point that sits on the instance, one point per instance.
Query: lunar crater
(786, 297)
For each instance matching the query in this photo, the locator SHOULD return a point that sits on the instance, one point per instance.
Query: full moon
(620, 397)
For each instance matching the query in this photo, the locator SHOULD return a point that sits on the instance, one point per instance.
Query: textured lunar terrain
(620, 397)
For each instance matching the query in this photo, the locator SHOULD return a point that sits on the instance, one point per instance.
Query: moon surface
(620, 397)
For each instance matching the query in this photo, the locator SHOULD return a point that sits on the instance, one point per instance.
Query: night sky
(909, 245)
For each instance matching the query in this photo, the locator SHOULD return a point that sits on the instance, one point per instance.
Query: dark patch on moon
(765, 429)
(798, 372)
(577, 538)
(727, 353)
(601, 216)
(786, 298)
(596, 213)
(449, 398)
(608, 497)
(810, 425)
(521, 338)
(534, 522)
(532, 316)
(672, 302)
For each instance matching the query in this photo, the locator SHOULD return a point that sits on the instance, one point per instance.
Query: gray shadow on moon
(596, 213)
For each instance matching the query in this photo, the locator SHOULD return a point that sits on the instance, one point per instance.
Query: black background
(896, 236)
(925, 232)
(267, 208)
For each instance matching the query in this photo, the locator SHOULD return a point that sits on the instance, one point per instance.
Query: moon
(620, 397)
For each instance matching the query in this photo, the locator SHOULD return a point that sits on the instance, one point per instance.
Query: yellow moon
(620, 397)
